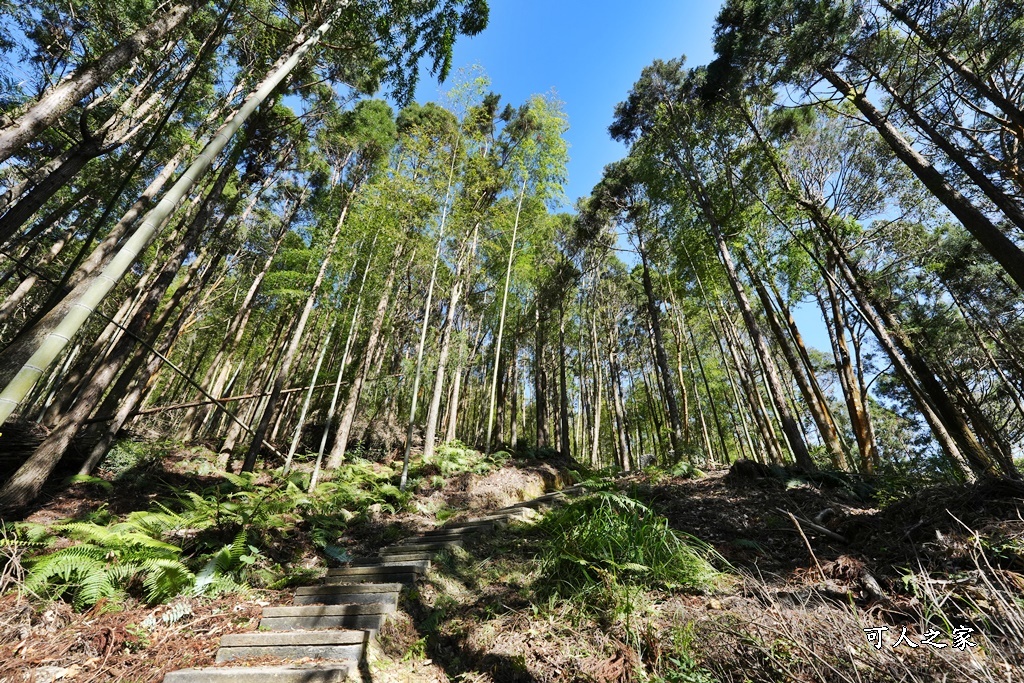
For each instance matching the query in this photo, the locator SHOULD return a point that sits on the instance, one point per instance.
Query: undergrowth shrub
(223, 537)
(604, 545)
(455, 457)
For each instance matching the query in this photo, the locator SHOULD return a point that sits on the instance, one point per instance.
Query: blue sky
(590, 53)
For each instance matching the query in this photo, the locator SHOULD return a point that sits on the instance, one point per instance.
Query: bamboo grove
(213, 231)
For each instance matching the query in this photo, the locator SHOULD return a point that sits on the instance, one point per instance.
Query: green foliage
(107, 561)
(128, 455)
(677, 663)
(606, 542)
(455, 458)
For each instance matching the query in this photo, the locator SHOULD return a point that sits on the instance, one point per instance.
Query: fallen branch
(808, 544)
(816, 527)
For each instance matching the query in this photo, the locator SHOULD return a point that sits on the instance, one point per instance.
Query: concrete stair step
(384, 570)
(470, 534)
(404, 557)
(390, 577)
(378, 561)
(421, 544)
(518, 513)
(549, 499)
(329, 595)
(476, 524)
(351, 588)
(334, 672)
(337, 644)
(369, 616)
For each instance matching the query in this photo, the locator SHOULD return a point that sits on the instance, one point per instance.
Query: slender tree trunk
(284, 374)
(855, 400)
(501, 319)
(127, 393)
(598, 385)
(423, 329)
(948, 424)
(661, 358)
(789, 426)
(819, 411)
(49, 342)
(348, 415)
(992, 239)
(540, 380)
(59, 99)
(563, 391)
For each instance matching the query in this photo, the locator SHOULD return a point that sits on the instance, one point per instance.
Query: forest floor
(792, 603)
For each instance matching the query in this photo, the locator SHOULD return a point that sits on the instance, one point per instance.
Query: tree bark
(61, 98)
(992, 239)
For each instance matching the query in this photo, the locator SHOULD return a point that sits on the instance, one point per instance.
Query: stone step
(411, 568)
(331, 595)
(475, 524)
(403, 557)
(392, 577)
(421, 559)
(351, 588)
(461, 530)
(369, 616)
(337, 644)
(334, 672)
(549, 499)
(373, 564)
(422, 545)
(469, 534)
(506, 514)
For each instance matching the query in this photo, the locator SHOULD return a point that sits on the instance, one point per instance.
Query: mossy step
(469, 534)
(335, 672)
(336, 644)
(467, 529)
(549, 499)
(519, 513)
(474, 524)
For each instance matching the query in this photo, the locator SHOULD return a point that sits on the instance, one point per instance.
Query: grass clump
(602, 547)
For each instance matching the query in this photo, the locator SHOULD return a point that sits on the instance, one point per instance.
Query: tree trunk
(563, 390)
(59, 99)
(501, 319)
(819, 411)
(992, 239)
(284, 373)
(348, 415)
(855, 400)
(654, 313)
(49, 343)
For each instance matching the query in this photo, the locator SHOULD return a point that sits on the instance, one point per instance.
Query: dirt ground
(797, 595)
(795, 603)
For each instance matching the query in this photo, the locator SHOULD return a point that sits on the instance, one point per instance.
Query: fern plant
(107, 562)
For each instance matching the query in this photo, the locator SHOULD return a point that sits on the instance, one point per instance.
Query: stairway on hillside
(335, 621)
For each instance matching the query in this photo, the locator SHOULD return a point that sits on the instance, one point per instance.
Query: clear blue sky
(590, 53)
